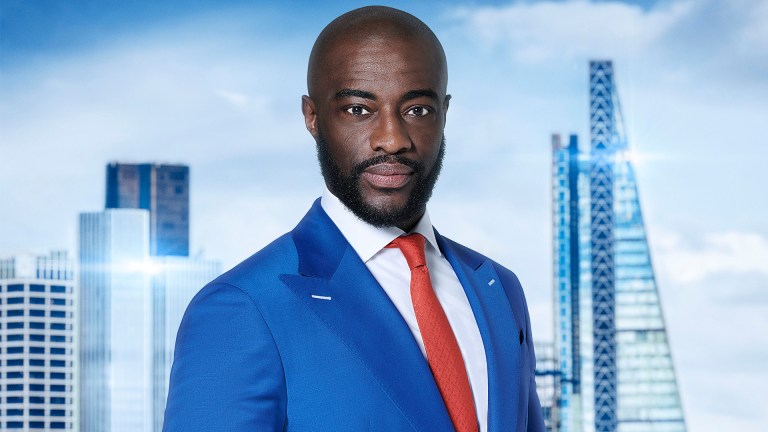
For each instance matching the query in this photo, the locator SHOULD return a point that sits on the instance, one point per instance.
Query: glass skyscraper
(115, 322)
(161, 189)
(175, 280)
(131, 306)
(37, 325)
(616, 371)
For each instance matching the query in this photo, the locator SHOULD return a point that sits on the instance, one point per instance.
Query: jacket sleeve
(227, 373)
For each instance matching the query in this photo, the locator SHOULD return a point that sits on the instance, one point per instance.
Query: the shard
(614, 363)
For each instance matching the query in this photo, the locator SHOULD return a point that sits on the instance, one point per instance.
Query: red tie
(443, 354)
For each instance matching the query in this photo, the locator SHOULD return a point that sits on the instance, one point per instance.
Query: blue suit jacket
(257, 352)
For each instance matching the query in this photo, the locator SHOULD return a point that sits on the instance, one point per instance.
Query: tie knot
(412, 246)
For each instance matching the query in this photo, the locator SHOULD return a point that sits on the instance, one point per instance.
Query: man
(345, 323)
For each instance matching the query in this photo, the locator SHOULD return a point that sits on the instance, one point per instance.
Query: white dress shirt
(390, 269)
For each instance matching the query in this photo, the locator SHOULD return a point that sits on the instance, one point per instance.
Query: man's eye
(357, 110)
(418, 111)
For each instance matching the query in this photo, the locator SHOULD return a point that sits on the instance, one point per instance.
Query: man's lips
(388, 175)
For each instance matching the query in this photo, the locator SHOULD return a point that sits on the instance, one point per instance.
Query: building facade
(161, 189)
(175, 280)
(548, 385)
(115, 322)
(610, 337)
(131, 307)
(37, 328)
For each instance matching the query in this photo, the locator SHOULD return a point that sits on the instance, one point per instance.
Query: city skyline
(217, 88)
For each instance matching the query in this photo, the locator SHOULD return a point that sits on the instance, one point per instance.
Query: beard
(347, 187)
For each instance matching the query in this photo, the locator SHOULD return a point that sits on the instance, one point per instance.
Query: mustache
(358, 169)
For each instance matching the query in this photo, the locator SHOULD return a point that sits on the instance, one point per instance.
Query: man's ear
(310, 115)
(446, 103)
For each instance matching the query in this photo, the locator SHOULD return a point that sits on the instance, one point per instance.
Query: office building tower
(131, 306)
(610, 336)
(175, 280)
(163, 190)
(115, 322)
(548, 385)
(37, 325)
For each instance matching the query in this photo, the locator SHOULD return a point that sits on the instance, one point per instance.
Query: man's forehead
(375, 42)
(378, 65)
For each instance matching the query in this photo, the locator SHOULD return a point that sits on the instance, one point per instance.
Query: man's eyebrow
(413, 94)
(345, 93)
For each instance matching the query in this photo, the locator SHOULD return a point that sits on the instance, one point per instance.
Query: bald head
(361, 27)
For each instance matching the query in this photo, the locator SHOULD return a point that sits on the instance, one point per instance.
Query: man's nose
(390, 134)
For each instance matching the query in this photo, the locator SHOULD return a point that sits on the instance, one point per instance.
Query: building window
(16, 312)
(58, 363)
(58, 314)
(36, 350)
(36, 399)
(59, 302)
(58, 388)
(15, 337)
(15, 287)
(36, 387)
(37, 362)
(37, 325)
(15, 325)
(37, 338)
(15, 387)
(36, 313)
(37, 412)
(13, 375)
(36, 300)
(61, 351)
(14, 412)
(58, 289)
(37, 288)
(58, 338)
(15, 300)
(16, 362)
(15, 350)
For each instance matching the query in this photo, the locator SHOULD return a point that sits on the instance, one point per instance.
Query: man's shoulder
(278, 257)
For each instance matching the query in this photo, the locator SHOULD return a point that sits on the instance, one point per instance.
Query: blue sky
(217, 85)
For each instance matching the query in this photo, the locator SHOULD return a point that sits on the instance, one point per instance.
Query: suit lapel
(361, 314)
(498, 329)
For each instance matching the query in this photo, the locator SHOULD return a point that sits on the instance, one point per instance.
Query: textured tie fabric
(443, 354)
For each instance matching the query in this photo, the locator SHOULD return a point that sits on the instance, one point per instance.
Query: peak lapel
(498, 329)
(361, 314)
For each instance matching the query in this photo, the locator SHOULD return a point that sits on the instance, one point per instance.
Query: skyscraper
(175, 280)
(115, 322)
(131, 305)
(612, 347)
(37, 324)
(161, 189)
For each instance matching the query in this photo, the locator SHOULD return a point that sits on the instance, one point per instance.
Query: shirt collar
(366, 239)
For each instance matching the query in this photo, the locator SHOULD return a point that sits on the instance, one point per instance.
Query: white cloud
(541, 31)
(715, 253)
(235, 98)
